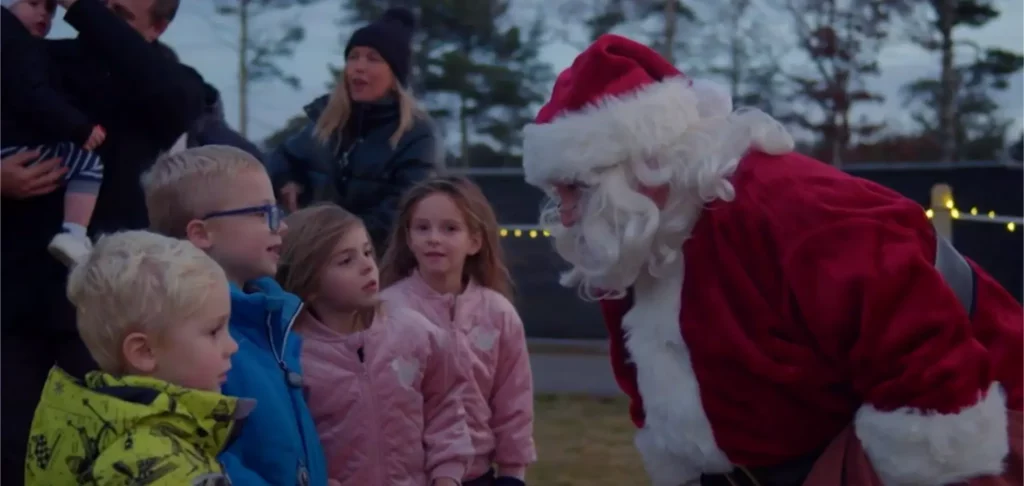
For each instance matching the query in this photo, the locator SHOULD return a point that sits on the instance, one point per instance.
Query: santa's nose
(568, 199)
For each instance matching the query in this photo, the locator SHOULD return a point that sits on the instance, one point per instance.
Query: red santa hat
(620, 99)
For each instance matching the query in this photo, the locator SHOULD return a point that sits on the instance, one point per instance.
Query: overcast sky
(205, 41)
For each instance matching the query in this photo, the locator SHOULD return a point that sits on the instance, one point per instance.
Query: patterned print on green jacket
(129, 430)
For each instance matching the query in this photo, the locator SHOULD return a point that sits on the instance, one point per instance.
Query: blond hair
(487, 267)
(137, 281)
(186, 185)
(337, 114)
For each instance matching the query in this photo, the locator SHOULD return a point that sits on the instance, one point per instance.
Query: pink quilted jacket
(492, 350)
(385, 400)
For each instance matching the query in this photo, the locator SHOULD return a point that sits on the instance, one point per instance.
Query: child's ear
(197, 233)
(138, 353)
(475, 243)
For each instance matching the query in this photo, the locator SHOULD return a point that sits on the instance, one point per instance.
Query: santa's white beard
(620, 234)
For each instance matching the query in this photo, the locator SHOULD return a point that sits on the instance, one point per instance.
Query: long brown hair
(307, 246)
(486, 267)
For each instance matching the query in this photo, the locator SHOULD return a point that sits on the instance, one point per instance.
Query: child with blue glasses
(220, 198)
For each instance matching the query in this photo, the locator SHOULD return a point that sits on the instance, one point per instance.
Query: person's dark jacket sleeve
(27, 88)
(293, 159)
(416, 162)
(215, 131)
(165, 96)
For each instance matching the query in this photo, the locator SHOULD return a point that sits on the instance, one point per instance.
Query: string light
(1010, 222)
(519, 231)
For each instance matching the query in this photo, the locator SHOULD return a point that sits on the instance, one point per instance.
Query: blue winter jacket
(278, 444)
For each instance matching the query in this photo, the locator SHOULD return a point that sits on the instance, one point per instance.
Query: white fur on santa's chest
(676, 426)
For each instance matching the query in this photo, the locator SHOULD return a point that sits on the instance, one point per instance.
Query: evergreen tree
(956, 108)
(841, 41)
(656, 21)
(739, 49)
(261, 50)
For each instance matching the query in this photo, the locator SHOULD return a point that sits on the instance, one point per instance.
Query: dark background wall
(551, 311)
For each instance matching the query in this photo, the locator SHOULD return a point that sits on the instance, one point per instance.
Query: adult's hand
(19, 180)
(290, 196)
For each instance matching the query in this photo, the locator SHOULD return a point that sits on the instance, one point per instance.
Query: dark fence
(551, 311)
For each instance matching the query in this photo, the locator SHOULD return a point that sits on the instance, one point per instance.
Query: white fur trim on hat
(8, 3)
(638, 124)
(913, 447)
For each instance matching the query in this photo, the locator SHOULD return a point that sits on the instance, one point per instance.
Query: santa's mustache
(610, 242)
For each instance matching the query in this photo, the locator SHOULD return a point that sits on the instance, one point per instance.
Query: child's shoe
(70, 248)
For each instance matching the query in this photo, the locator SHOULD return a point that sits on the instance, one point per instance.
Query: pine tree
(841, 41)
(956, 109)
(261, 50)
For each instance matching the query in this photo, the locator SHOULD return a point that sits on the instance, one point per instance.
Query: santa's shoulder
(805, 191)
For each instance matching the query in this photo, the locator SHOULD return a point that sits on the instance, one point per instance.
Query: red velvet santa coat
(811, 301)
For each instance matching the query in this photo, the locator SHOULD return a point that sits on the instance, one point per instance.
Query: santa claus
(759, 302)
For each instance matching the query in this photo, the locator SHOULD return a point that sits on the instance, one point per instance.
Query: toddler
(383, 385)
(445, 261)
(153, 312)
(36, 115)
(220, 199)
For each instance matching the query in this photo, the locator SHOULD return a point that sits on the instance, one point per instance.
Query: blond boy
(221, 199)
(153, 312)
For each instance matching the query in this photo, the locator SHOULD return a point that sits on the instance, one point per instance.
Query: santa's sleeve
(868, 291)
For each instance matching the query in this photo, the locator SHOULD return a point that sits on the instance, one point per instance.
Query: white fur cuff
(663, 467)
(909, 447)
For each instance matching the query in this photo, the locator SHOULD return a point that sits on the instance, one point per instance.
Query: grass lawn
(584, 441)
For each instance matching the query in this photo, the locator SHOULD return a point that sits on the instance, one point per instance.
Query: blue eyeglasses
(272, 212)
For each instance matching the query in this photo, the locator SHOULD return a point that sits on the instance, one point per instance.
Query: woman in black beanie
(366, 142)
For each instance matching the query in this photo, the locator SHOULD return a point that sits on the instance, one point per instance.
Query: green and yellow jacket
(129, 430)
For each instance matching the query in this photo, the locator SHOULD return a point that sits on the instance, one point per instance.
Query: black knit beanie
(391, 36)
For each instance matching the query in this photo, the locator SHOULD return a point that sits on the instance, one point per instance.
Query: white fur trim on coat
(913, 448)
(635, 125)
(676, 443)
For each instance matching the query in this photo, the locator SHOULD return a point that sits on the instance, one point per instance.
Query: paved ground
(557, 370)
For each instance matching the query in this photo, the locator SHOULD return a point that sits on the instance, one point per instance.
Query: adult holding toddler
(144, 102)
(368, 138)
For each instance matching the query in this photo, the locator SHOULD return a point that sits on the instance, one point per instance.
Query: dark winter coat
(34, 111)
(212, 129)
(145, 101)
(362, 171)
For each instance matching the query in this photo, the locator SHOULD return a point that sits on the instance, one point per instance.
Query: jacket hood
(121, 404)
(213, 104)
(264, 295)
(316, 107)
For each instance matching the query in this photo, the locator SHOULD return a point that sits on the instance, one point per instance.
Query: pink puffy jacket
(385, 400)
(492, 349)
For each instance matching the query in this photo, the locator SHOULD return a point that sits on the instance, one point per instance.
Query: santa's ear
(713, 99)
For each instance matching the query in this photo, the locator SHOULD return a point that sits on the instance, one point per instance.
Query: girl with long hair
(445, 261)
(384, 387)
